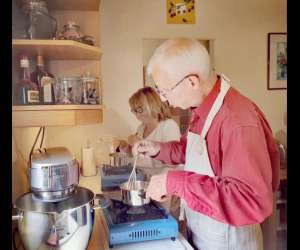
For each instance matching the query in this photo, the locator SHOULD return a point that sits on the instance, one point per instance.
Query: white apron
(208, 233)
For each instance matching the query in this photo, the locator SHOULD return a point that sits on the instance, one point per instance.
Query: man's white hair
(179, 57)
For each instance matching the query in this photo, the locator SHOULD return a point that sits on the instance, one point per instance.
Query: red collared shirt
(244, 158)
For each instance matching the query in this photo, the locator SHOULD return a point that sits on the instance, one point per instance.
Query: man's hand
(146, 148)
(157, 188)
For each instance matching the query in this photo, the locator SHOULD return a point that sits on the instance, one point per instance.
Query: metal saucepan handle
(17, 217)
(101, 202)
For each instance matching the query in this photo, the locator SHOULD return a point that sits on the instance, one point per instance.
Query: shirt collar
(203, 109)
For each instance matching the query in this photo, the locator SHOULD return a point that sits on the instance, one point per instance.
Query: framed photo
(277, 61)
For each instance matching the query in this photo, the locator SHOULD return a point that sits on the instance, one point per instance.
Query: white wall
(239, 30)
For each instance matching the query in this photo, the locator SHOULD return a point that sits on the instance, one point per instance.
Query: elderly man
(231, 159)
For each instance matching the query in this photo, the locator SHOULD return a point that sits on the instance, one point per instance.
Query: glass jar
(39, 23)
(90, 89)
(71, 31)
(68, 90)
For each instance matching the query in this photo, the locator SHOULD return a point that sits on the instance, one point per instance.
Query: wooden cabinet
(66, 58)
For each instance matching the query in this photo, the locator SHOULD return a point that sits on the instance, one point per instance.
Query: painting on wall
(277, 61)
(180, 11)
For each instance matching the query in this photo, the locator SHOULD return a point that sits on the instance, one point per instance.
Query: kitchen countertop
(99, 237)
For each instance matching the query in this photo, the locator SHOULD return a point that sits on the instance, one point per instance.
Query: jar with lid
(71, 31)
(39, 23)
(68, 90)
(90, 89)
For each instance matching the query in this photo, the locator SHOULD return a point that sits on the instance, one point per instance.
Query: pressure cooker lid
(80, 197)
(51, 156)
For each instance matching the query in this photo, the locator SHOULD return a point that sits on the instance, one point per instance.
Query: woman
(156, 124)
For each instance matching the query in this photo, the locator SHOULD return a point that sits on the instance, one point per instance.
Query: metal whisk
(132, 177)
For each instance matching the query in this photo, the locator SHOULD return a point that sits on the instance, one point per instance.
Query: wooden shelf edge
(45, 42)
(56, 107)
(62, 117)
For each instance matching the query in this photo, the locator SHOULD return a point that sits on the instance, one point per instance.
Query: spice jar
(71, 31)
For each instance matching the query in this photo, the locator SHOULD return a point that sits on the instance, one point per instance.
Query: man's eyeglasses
(137, 110)
(164, 93)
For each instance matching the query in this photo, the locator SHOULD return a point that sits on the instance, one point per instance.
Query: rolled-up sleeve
(172, 152)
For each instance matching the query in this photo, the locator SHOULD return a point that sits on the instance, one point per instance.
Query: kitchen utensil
(136, 194)
(53, 173)
(70, 222)
(66, 224)
(112, 177)
(132, 177)
(119, 159)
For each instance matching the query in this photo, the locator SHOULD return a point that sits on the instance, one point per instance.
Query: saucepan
(136, 194)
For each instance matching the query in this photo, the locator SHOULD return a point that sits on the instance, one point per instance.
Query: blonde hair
(179, 57)
(150, 101)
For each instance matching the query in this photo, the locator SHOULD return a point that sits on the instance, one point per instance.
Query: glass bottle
(26, 92)
(45, 81)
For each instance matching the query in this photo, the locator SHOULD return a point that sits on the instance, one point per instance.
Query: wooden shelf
(57, 49)
(82, 5)
(56, 115)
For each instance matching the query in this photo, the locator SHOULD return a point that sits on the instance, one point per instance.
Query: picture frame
(277, 61)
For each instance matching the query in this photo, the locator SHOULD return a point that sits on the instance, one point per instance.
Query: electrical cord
(35, 141)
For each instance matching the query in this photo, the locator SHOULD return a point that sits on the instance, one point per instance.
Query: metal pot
(64, 225)
(135, 196)
(54, 173)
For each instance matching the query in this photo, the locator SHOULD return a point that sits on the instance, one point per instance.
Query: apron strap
(225, 86)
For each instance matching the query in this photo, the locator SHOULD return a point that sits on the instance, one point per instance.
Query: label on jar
(33, 96)
(46, 84)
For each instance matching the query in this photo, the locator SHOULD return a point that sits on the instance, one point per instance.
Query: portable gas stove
(112, 176)
(128, 224)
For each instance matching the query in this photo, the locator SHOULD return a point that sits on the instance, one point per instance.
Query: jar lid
(71, 24)
(29, 5)
(69, 78)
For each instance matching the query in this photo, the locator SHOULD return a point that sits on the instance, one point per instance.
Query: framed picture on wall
(277, 61)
